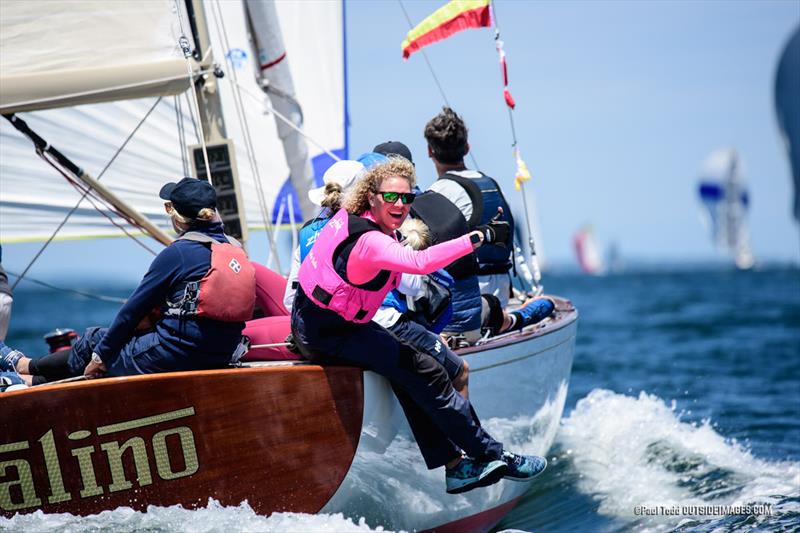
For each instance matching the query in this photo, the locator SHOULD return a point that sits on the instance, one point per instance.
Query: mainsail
(726, 200)
(34, 198)
(56, 54)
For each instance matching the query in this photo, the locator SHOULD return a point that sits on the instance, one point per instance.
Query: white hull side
(518, 390)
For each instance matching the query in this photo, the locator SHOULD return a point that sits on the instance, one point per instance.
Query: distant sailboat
(724, 195)
(587, 252)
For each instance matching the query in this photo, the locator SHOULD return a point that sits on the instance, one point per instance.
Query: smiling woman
(354, 262)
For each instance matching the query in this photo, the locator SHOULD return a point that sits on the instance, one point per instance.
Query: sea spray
(211, 519)
(642, 463)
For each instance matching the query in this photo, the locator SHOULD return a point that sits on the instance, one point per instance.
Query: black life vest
(445, 222)
(486, 197)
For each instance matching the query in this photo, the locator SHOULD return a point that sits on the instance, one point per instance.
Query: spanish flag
(452, 17)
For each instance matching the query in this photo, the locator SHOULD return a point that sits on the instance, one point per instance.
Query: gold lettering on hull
(20, 492)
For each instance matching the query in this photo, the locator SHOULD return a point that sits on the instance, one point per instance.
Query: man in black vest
(475, 194)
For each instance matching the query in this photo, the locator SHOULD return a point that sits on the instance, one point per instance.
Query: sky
(618, 104)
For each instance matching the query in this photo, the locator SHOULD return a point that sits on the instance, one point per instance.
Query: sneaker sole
(521, 479)
(489, 478)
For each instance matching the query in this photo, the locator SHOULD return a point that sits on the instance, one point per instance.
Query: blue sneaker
(8, 358)
(8, 379)
(523, 467)
(534, 312)
(470, 474)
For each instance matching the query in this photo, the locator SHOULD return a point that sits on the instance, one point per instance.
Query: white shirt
(387, 316)
(455, 192)
(497, 284)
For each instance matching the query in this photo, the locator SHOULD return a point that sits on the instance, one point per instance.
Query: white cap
(344, 172)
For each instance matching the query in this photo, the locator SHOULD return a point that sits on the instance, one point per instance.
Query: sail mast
(220, 152)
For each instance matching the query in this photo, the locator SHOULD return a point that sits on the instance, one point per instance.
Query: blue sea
(683, 411)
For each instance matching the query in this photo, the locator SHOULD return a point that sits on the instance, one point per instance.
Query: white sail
(34, 198)
(313, 44)
(56, 53)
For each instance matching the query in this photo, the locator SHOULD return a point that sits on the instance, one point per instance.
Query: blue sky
(619, 103)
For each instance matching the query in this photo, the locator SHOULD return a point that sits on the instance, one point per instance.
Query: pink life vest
(327, 287)
(228, 290)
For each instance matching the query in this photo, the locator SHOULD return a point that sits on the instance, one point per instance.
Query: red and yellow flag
(452, 17)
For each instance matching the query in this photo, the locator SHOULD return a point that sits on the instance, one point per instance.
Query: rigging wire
(268, 107)
(183, 42)
(266, 216)
(86, 192)
(82, 293)
(181, 134)
(435, 77)
(191, 116)
(93, 199)
(534, 259)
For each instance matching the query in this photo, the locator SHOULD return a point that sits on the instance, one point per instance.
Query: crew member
(476, 195)
(203, 286)
(355, 261)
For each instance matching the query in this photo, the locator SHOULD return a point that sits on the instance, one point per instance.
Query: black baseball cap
(189, 196)
(394, 148)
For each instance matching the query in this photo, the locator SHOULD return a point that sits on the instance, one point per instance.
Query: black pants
(51, 367)
(442, 421)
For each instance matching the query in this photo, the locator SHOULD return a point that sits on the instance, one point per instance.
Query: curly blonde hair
(357, 200)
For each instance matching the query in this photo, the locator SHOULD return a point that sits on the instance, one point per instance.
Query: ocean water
(683, 412)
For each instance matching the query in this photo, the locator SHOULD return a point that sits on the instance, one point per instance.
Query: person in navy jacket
(140, 341)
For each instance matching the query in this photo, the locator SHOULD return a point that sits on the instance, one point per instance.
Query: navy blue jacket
(207, 343)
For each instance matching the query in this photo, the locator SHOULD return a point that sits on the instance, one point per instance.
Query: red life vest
(228, 290)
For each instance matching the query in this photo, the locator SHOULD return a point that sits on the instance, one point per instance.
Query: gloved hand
(496, 231)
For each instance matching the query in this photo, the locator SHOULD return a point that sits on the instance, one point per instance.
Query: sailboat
(282, 436)
(587, 252)
(725, 198)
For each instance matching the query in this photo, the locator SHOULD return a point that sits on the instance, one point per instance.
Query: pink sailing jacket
(353, 265)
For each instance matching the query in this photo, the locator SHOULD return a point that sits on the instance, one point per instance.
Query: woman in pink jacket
(354, 263)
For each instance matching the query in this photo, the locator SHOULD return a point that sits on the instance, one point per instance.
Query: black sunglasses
(391, 197)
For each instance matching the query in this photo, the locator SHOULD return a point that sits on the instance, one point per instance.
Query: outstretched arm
(375, 251)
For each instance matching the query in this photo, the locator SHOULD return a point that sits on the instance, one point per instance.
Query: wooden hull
(284, 437)
(281, 438)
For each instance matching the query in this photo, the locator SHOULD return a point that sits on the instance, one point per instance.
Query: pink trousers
(274, 327)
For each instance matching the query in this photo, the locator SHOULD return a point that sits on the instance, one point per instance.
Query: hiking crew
(202, 286)
(354, 262)
(482, 282)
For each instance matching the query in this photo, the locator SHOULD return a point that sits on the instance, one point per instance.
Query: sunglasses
(391, 197)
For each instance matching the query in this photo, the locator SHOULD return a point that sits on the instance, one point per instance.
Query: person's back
(195, 341)
(476, 195)
(187, 313)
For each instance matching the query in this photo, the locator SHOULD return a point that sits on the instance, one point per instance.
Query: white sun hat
(344, 172)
